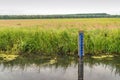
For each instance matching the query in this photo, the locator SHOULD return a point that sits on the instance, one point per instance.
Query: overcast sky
(13, 7)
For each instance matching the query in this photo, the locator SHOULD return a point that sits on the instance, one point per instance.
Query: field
(88, 23)
(59, 36)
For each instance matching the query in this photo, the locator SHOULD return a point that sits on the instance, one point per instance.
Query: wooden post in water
(80, 54)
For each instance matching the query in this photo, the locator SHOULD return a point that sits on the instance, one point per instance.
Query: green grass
(38, 41)
(102, 41)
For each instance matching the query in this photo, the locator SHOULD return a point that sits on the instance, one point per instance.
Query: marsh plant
(38, 41)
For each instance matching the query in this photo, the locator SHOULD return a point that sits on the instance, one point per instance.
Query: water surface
(60, 69)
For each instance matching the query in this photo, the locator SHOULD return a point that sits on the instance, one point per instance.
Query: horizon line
(63, 14)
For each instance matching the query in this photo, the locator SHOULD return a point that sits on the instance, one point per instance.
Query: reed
(102, 41)
(38, 41)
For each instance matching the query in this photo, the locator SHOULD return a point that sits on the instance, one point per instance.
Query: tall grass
(38, 41)
(29, 41)
(102, 41)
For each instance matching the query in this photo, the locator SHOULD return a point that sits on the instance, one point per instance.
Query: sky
(43, 7)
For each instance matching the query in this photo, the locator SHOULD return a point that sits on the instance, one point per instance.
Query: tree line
(91, 15)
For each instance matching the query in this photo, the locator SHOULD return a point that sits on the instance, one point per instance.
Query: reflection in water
(34, 72)
(37, 69)
(80, 70)
(60, 69)
(98, 69)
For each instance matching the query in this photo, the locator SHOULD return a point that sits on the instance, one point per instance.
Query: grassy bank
(38, 41)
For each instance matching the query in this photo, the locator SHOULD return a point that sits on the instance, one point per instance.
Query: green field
(59, 36)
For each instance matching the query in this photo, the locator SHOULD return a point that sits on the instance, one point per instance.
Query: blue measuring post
(81, 44)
